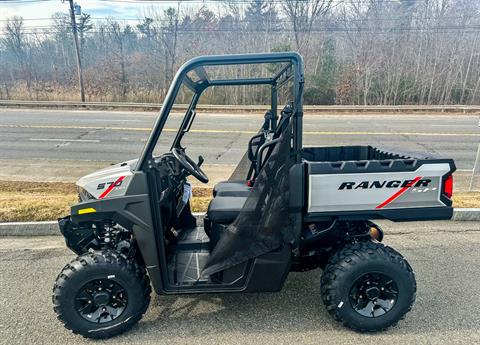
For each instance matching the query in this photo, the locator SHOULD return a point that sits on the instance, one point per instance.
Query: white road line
(473, 125)
(220, 131)
(106, 120)
(64, 140)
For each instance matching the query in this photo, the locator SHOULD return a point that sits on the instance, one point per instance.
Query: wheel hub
(101, 300)
(373, 294)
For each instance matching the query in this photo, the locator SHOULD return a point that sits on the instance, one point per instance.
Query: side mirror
(200, 160)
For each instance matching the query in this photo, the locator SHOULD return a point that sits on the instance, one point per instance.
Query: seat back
(248, 167)
(285, 116)
(266, 149)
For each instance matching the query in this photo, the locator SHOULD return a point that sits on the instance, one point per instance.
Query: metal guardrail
(471, 109)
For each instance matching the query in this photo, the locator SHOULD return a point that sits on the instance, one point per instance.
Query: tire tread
(348, 257)
(130, 266)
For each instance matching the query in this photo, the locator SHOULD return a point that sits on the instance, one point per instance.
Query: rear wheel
(368, 286)
(101, 294)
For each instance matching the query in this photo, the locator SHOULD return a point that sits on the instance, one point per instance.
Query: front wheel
(368, 286)
(101, 294)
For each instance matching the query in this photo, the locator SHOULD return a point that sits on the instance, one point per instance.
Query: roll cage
(291, 68)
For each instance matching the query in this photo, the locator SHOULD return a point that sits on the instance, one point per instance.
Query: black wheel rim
(101, 300)
(373, 294)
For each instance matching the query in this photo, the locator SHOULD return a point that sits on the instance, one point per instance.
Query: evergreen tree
(261, 15)
(323, 83)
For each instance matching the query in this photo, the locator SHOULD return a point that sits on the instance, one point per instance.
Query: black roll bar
(293, 60)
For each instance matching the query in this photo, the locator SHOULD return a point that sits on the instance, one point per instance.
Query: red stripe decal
(113, 185)
(398, 193)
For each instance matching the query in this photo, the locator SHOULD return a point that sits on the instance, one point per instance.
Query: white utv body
(107, 182)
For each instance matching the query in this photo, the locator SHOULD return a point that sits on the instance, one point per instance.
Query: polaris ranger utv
(286, 208)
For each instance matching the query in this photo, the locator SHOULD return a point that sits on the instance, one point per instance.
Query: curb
(50, 228)
(29, 229)
(466, 214)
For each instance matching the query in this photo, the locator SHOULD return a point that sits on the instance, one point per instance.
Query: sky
(96, 8)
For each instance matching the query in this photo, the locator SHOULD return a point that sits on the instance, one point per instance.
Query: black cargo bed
(349, 153)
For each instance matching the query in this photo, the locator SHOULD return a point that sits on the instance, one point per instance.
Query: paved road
(446, 311)
(72, 142)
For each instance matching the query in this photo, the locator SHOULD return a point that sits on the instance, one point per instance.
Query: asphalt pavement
(444, 256)
(65, 144)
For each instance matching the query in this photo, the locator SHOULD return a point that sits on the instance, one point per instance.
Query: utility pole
(77, 49)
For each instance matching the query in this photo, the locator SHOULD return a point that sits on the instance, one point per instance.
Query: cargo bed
(363, 182)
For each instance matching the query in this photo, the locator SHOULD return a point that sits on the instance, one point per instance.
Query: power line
(247, 1)
(367, 21)
(21, 1)
(206, 1)
(400, 18)
(438, 29)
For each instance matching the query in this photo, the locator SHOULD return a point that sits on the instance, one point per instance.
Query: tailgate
(396, 189)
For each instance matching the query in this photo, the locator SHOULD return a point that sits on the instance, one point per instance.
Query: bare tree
(169, 37)
(302, 15)
(15, 41)
(119, 35)
(355, 51)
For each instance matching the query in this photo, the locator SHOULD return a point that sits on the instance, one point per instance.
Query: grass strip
(39, 201)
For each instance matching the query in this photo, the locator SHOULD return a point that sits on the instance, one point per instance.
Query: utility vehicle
(286, 208)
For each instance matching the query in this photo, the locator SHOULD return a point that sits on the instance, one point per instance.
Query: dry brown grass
(466, 199)
(34, 207)
(33, 201)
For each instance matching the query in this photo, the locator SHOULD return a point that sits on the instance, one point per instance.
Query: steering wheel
(189, 165)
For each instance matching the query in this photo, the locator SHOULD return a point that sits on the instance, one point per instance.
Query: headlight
(83, 195)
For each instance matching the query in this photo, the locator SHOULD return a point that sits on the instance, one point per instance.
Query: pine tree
(261, 15)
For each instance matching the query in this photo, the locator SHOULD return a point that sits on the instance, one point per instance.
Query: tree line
(356, 51)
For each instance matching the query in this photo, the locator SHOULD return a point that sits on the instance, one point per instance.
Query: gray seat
(224, 209)
(231, 188)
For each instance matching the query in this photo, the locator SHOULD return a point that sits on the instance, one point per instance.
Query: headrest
(287, 110)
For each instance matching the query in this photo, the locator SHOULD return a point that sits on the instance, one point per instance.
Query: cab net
(263, 224)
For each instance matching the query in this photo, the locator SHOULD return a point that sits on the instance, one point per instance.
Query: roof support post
(274, 105)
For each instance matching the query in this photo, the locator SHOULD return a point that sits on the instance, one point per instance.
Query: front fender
(131, 212)
(126, 211)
